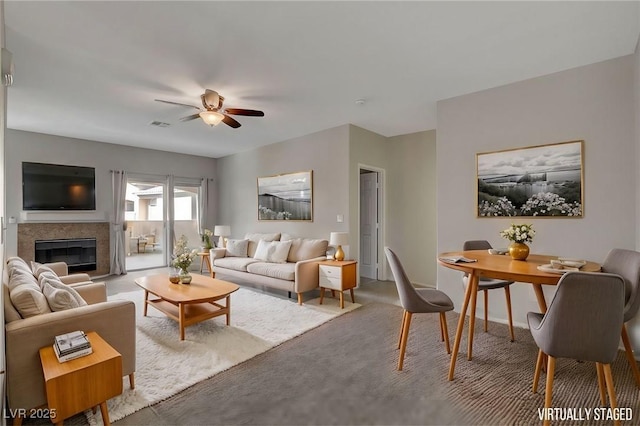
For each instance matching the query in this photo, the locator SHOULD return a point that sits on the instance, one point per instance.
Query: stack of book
(71, 345)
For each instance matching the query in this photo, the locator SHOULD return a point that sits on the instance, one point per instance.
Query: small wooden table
(204, 260)
(337, 275)
(76, 385)
(188, 303)
(504, 268)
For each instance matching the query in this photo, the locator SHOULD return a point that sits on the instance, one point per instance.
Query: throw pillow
(39, 268)
(307, 248)
(273, 251)
(59, 295)
(29, 300)
(237, 248)
(17, 264)
(255, 238)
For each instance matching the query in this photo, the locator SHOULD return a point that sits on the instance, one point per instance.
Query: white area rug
(165, 365)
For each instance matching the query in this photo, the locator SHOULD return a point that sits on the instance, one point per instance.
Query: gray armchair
(417, 301)
(583, 322)
(626, 263)
(486, 284)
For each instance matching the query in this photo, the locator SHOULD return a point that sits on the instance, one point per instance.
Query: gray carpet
(343, 372)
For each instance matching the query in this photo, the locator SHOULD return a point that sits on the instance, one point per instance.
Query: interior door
(369, 225)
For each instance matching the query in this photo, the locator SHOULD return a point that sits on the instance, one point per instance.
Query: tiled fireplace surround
(28, 233)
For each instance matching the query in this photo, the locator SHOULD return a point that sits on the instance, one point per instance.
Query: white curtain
(203, 202)
(171, 235)
(118, 252)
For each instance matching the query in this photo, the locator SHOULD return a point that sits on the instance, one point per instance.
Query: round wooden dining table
(504, 268)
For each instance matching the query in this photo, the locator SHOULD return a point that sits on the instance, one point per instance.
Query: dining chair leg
(629, 352)
(551, 366)
(405, 336)
(507, 295)
(404, 318)
(441, 329)
(610, 389)
(536, 374)
(601, 384)
(486, 310)
(445, 331)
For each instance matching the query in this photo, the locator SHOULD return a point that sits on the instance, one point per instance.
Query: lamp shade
(339, 239)
(222, 231)
(212, 118)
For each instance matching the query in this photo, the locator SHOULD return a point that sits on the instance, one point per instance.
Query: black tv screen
(58, 187)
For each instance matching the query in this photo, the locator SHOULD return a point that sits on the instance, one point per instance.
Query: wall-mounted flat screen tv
(58, 187)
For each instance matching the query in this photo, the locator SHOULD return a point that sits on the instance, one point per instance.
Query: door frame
(382, 210)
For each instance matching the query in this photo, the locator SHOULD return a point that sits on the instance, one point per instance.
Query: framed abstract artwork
(537, 181)
(286, 197)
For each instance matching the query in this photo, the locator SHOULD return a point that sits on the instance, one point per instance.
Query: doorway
(370, 218)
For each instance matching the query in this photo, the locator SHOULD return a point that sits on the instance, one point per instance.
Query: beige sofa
(31, 325)
(279, 261)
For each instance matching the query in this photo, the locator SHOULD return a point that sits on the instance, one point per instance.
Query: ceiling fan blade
(248, 112)
(190, 117)
(230, 122)
(176, 103)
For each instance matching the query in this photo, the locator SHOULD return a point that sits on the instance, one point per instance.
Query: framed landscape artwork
(286, 197)
(537, 181)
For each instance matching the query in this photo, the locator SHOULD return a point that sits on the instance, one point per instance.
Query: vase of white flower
(182, 258)
(519, 235)
(206, 239)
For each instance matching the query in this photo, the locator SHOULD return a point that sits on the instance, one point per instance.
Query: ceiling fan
(212, 114)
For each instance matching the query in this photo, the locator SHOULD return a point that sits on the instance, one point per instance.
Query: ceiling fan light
(212, 118)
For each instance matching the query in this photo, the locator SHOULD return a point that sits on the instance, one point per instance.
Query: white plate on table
(551, 270)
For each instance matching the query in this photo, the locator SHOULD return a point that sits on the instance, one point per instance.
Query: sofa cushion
(29, 300)
(10, 312)
(273, 251)
(307, 248)
(20, 277)
(235, 263)
(17, 264)
(39, 268)
(59, 295)
(255, 238)
(237, 248)
(283, 271)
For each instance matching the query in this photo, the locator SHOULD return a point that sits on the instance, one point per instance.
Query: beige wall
(593, 103)
(411, 195)
(325, 152)
(26, 146)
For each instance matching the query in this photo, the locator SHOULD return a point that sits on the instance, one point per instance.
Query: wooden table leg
(342, 300)
(542, 304)
(181, 319)
(146, 303)
(321, 294)
(105, 414)
(229, 310)
(472, 320)
(353, 299)
(473, 286)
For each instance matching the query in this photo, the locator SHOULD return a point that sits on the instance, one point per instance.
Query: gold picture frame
(286, 196)
(536, 181)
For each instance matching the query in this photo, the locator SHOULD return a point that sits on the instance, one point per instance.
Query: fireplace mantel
(62, 216)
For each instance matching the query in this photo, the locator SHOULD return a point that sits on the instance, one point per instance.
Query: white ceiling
(92, 70)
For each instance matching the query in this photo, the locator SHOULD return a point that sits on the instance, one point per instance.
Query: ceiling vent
(159, 124)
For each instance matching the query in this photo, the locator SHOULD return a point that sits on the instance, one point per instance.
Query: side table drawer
(330, 282)
(330, 272)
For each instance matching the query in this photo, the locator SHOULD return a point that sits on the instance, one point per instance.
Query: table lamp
(339, 239)
(222, 231)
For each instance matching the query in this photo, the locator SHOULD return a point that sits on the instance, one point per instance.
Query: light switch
(340, 218)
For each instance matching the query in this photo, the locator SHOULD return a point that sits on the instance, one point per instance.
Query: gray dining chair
(626, 263)
(486, 284)
(583, 322)
(417, 301)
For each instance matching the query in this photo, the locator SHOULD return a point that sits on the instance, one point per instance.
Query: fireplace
(30, 232)
(78, 253)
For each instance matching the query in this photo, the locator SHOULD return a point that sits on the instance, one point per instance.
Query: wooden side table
(205, 260)
(84, 382)
(338, 275)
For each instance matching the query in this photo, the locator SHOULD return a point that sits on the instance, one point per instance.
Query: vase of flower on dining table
(519, 235)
